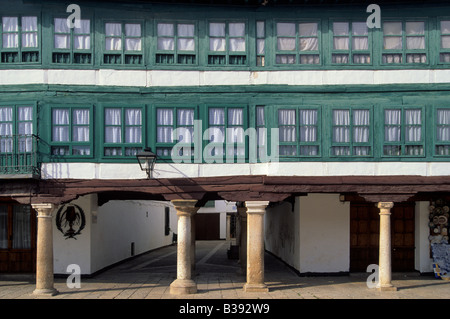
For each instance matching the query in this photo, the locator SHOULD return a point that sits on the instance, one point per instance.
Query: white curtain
(80, 130)
(287, 131)
(133, 41)
(392, 121)
(113, 124)
(443, 121)
(165, 36)
(286, 36)
(133, 126)
(10, 29)
(164, 118)
(445, 37)
(3, 227)
(237, 37)
(415, 35)
(216, 129)
(286, 123)
(29, 32)
(82, 38)
(113, 33)
(185, 122)
(341, 131)
(261, 131)
(235, 131)
(341, 35)
(6, 129)
(361, 131)
(413, 127)
(60, 119)
(308, 131)
(308, 34)
(62, 34)
(217, 36)
(21, 227)
(25, 128)
(393, 35)
(186, 33)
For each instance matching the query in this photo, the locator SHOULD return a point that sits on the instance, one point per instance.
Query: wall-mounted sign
(70, 220)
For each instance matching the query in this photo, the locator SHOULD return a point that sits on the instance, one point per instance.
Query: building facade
(326, 121)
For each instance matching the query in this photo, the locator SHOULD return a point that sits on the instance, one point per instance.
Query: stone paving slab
(148, 277)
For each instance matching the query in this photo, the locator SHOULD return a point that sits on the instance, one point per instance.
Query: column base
(387, 288)
(183, 287)
(45, 292)
(255, 288)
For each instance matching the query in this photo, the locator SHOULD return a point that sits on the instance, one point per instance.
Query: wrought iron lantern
(146, 159)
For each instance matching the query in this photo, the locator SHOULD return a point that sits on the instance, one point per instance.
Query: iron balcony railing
(19, 156)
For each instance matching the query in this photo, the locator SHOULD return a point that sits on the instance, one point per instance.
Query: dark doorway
(17, 238)
(207, 226)
(364, 236)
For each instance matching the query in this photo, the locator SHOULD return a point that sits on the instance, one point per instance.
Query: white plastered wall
(109, 232)
(423, 261)
(314, 237)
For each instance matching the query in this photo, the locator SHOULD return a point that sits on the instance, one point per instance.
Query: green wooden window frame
(297, 53)
(71, 147)
(260, 43)
(16, 139)
(177, 36)
(444, 40)
(69, 53)
(20, 53)
(441, 131)
(349, 51)
(216, 150)
(164, 148)
(399, 137)
(117, 146)
(356, 130)
(305, 138)
(121, 55)
(225, 54)
(403, 55)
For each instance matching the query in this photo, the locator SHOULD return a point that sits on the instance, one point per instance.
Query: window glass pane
(415, 28)
(340, 28)
(286, 29)
(186, 30)
(360, 29)
(286, 44)
(132, 30)
(217, 29)
(236, 29)
(85, 27)
(10, 24)
(393, 43)
(29, 24)
(307, 29)
(113, 29)
(21, 227)
(309, 44)
(61, 26)
(165, 29)
(392, 28)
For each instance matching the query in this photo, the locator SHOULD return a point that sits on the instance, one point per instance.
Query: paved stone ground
(148, 277)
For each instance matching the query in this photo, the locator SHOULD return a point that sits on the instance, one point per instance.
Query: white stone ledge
(133, 171)
(168, 78)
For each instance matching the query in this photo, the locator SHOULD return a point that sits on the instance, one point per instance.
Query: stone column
(44, 253)
(184, 283)
(228, 227)
(255, 246)
(242, 213)
(385, 273)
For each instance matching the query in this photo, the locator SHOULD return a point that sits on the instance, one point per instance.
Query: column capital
(43, 210)
(185, 207)
(256, 207)
(385, 207)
